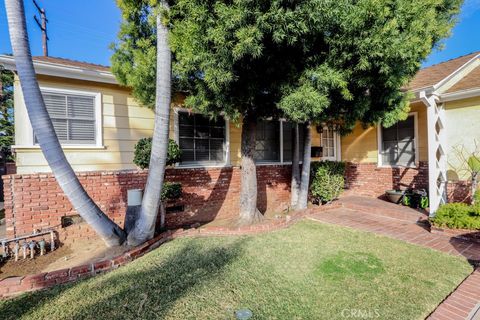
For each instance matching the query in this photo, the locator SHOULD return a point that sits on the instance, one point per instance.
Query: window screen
(73, 117)
(267, 147)
(398, 143)
(201, 139)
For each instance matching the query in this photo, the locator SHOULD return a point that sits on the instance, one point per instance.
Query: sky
(84, 29)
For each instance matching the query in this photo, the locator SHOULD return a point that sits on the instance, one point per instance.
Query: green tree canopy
(134, 58)
(6, 112)
(322, 60)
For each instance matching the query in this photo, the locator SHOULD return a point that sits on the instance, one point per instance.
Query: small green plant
(476, 197)
(327, 180)
(171, 191)
(469, 164)
(143, 149)
(458, 216)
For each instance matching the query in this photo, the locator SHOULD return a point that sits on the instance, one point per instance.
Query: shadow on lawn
(147, 288)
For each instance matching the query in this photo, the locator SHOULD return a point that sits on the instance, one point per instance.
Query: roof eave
(458, 95)
(64, 71)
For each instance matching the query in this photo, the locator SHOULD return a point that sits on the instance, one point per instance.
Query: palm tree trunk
(145, 225)
(45, 133)
(295, 184)
(248, 191)
(304, 184)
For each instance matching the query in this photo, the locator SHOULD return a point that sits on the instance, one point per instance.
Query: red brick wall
(369, 180)
(35, 201)
(459, 191)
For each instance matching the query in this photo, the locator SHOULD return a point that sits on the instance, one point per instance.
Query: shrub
(476, 197)
(171, 190)
(143, 149)
(327, 180)
(457, 216)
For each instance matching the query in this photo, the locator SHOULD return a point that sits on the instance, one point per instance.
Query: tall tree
(6, 113)
(311, 60)
(45, 133)
(295, 182)
(135, 61)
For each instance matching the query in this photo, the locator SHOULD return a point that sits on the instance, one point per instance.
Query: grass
(309, 271)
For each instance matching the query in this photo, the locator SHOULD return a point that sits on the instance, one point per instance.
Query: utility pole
(43, 26)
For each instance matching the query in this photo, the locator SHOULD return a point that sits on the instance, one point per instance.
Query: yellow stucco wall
(463, 131)
(361, 145)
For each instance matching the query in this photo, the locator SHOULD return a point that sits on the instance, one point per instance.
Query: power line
(43, 27)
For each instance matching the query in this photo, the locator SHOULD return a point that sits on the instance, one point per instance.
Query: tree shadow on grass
(146, 288)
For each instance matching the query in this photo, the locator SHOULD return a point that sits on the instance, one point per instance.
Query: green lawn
(309, 271)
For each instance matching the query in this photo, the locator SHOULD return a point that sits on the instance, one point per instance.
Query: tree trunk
(304, 184)
(248, 192)
(145, 225)
(162, 214)
(295, 184)
(45, 133)
(474, 186)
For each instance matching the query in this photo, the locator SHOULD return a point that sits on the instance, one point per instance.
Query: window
(201, 139)
(73, 117)
(328, 143)
(398, 143)
(274, 141)
(267, 145)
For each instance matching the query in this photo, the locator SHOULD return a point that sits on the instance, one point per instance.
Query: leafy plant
(6, 114)
(328, 180)
(171, 190)
(469, 164)
(457, 216)
(143, 149)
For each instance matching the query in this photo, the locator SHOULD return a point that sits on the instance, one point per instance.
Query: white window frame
(336, 145)
(337, 148)
(415, 145)
(98, 120)
(226, 145)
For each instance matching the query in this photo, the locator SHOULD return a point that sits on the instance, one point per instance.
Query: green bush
(143, 149)
(171, 190)
(457, 216)
(476, 196)
(327, 180)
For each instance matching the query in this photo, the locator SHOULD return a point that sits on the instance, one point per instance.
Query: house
(98, 123)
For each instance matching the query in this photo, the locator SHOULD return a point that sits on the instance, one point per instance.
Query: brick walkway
(409, 225)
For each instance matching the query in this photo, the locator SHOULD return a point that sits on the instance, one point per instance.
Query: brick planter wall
(459, 191)
(369, 180)
(35, 201)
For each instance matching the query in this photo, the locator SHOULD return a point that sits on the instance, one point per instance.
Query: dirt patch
(67, 256)
(22, 267)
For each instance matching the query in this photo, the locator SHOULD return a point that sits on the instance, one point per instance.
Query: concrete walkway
(409, 225)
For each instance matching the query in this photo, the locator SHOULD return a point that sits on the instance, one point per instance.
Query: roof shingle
(72, 63)
(434, 74)
(470, 81)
